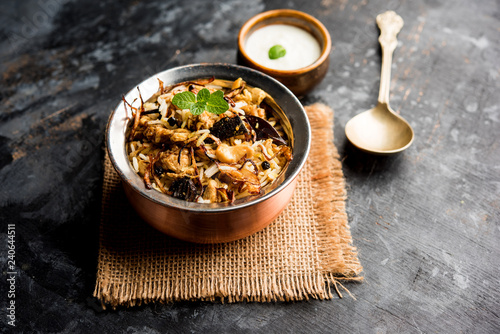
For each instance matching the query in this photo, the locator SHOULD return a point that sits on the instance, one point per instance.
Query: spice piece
(228, 127)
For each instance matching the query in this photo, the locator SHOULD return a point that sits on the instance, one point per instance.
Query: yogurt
(302, 49)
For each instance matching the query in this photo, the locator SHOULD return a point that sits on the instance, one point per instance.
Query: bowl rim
(116, 127)
(248, 25)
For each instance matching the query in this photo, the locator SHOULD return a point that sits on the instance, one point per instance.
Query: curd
(302, 49)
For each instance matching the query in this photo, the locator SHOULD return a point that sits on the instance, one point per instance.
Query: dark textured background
(426, 222)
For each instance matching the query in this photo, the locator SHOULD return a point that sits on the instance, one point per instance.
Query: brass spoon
(380, 130)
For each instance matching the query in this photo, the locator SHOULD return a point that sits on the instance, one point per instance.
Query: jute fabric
(305, 253)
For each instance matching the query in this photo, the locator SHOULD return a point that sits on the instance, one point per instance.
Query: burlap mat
(304, 253)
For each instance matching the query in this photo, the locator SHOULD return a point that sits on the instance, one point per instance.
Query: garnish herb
(276, 52)
(204, 100)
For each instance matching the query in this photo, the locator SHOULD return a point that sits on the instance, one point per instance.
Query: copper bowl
(211, 222)
(299, 81)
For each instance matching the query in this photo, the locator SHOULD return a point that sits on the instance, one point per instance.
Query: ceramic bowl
(210, 222)
(299, 81)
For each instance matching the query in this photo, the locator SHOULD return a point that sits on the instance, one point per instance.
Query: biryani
(207, 141)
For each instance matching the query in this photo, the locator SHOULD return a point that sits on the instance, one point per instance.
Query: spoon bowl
(380, 130)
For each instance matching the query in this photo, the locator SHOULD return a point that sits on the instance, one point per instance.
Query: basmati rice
(170, 152)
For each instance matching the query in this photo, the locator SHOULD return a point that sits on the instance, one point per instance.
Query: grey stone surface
(426, 222)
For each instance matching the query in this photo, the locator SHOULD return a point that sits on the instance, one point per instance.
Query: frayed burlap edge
(275, 288)
(328, 178)
(331, 229)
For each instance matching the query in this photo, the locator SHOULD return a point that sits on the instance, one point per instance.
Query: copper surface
(213, 227)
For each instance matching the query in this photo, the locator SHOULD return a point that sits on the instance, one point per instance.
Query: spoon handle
(390, 24)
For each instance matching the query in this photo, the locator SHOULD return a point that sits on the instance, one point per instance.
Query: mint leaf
(276, 52)
(213, 103)
(184, 100)
(198, 108)
(216, 103)
(203, 95)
